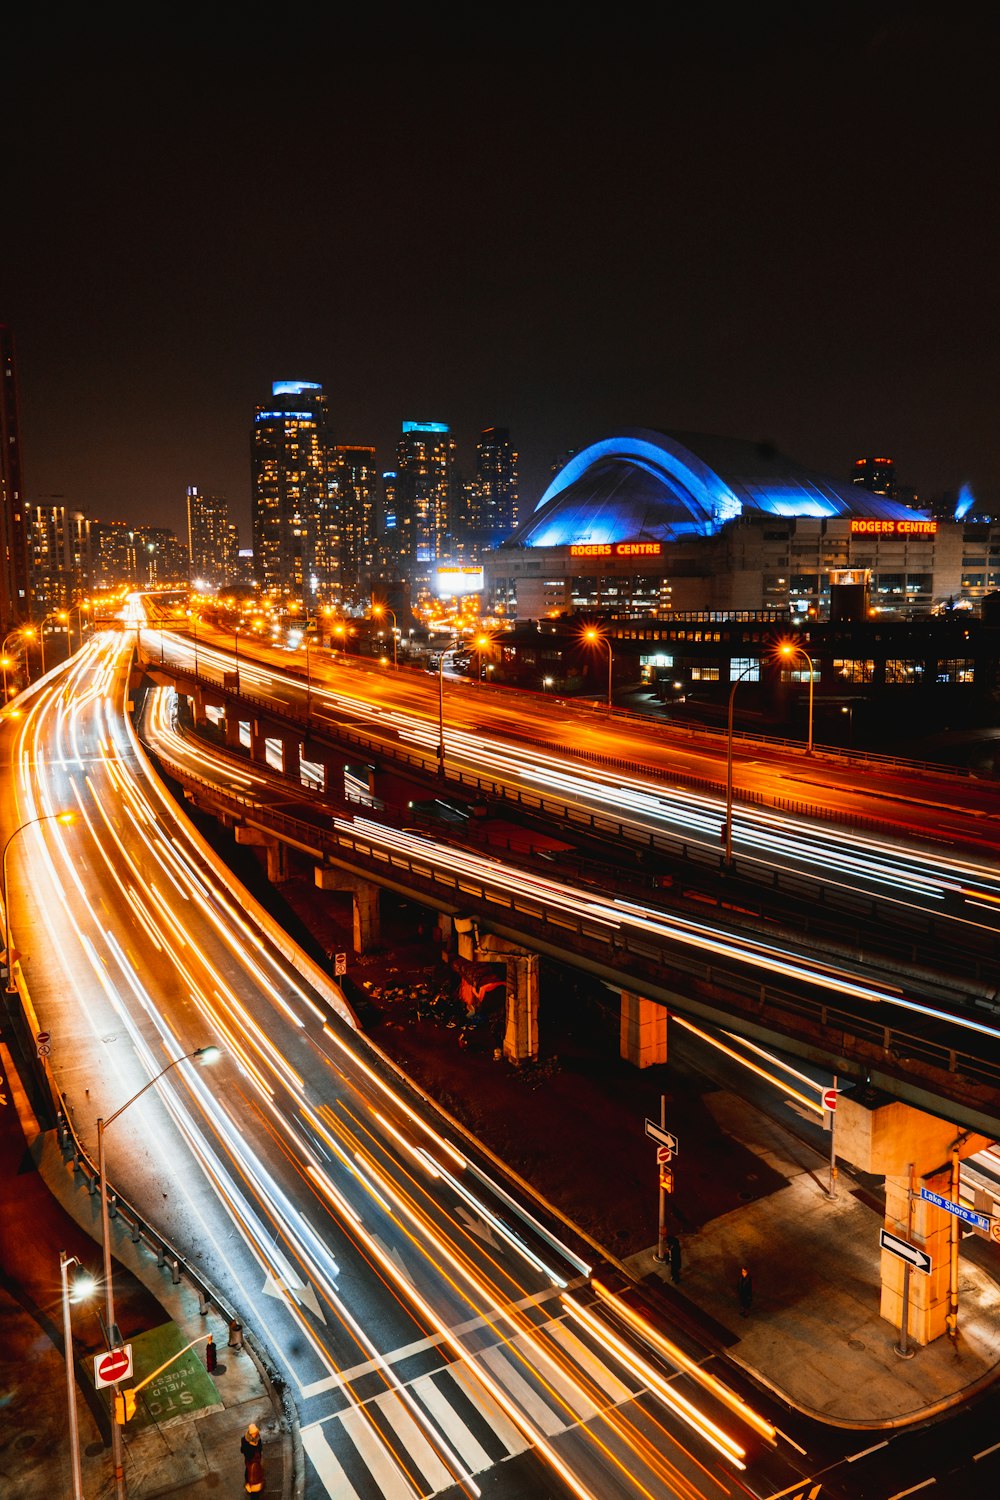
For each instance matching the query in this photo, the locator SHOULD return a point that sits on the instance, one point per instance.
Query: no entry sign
(109, 1369)
(830, 1099)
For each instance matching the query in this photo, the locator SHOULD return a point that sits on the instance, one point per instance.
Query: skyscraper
(356, 479)
(295, 533)
(213, 544)
(494, 489)
(426, 490)
(61, 562)
(876, 474)
(13, 520)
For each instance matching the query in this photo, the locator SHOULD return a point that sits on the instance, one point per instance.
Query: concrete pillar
(520, 1037)
(912, 1150)
(291, 753)
(275, 851)
(258, 741)
(364, 903)
(232, 726)
(198, 708)
(643, 1031)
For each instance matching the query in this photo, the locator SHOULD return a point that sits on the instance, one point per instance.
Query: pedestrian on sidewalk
(674, 1256)
(251, 1448)
(744, 1291)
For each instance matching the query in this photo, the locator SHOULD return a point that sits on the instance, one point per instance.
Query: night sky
(783, 229)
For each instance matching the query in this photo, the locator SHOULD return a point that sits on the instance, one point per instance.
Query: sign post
(830, 1105)
(111, 1368)
(667, 1147)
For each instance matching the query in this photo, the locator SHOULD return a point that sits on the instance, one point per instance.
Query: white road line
(469, 1450)
(582, 1405)
(400, 1418)
(532, 1404)
(913, 1489)
(512, 1437)
(384, 1470)
(865, 1451)
(575, 1347)
(985, 1453)
(324, 1461)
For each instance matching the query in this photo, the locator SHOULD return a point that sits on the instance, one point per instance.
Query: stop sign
(830, 1099)
(110, 1368)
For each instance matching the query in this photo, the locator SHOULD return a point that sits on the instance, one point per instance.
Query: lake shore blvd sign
(967, 1215)
(111, 1368)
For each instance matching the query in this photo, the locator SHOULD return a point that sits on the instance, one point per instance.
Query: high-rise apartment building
(213, 543)
(356, 481)
(426, 495)
(61, 562)
(295, 523)
(876, 474)
(157, 558)
(113, 554)
(494, 490)
(13, 519)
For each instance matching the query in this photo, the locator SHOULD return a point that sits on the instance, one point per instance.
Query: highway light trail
(355, 1210)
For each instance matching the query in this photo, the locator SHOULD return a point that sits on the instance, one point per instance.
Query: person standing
(744, 1291)
(252, 1448)
(674, 1256)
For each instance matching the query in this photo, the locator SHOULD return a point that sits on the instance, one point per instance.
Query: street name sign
(109, 1369)
(662, 1137)
(912, 1254)
(968, 1215)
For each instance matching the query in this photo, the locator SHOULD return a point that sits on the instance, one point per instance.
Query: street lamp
(78, 608)
(65, 818)
(789, 649)
(592, 636)
(194, 627)
(482, 643)
(236, 653)
(729, 762)
(83, 1286)
(5, 663)
(56, 614)
(205, 1055)
(383, 609)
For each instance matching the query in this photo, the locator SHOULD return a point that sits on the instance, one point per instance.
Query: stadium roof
(641, 485)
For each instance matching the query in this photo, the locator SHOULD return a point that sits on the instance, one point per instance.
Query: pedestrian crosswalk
(445, 1423)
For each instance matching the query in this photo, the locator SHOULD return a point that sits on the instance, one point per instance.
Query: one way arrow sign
(918, 1259)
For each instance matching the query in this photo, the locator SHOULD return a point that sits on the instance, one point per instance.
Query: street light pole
(236, 652)
(729, 764)
(10, 988)
(793, 650)
(65, 1261)
(111, 1330)
(441, 765)
(383, 609)
(593, 637)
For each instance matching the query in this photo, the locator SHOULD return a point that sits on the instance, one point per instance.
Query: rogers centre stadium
(651, 523)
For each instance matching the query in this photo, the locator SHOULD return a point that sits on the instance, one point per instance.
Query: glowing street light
(5, 662)
(65, 818)
(56, 614)
(378, 610)
(204, 1055)
(83, 1287)
(592, 637)
(789, 649)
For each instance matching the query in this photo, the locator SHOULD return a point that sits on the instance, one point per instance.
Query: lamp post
(56, 614)
(27, 633)
(308, 678)
(236, 653)
(788, 649)
(78, 608)
(5, 662)
(65, 818)
(206, 1054)
(482, 643)
(729, 763)
(441, 766)
(592, 636)
(383, 609)
(83, 1286)
(194, 628)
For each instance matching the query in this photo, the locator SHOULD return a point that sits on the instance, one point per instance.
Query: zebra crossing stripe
(572, 1392)
(512, 1437)
(401, 1419)
(384, 1470)
(539, 1411)
(469, 1450)
(324, 1461)
(613, 1388)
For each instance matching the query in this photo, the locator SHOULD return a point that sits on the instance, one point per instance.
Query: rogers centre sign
(894, 528)
(616, 549)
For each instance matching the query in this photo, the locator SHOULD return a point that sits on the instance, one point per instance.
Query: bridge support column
(364, 902)
(258, 741)
(275, 851)
(913, 1150)
(291, 756)
(198, 708)
(232, 727)
(643, 1030)
(520, 1037)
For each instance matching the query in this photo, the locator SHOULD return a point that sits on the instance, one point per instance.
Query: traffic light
(667, 1179)
(210, 1356)
(124, 1406)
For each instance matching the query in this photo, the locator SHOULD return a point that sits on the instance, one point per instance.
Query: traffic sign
(43, 1037)
(968, 1215)
(663, 1137)
(664, 1154)
(43, 1049)
(903, 1250)
(109, 1369)
(340, 963)
(830, 1099)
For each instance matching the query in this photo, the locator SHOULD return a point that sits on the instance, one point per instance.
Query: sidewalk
(814, 1334)
(185, 1436)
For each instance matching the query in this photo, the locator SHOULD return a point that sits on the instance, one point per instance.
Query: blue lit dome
(642, 485)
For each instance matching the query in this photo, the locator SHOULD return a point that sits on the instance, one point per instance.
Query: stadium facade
(650, 523)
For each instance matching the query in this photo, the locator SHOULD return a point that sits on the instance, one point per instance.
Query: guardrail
(658, 967)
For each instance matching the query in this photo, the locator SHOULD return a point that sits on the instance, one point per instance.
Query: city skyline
(771, 231)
